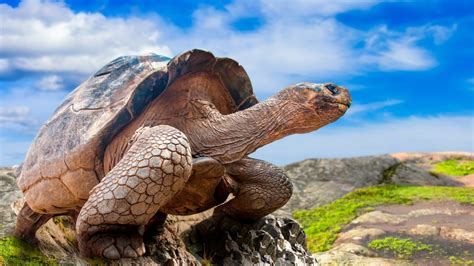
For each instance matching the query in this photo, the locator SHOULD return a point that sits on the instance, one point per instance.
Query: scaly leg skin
(155, 168)
(262, 188)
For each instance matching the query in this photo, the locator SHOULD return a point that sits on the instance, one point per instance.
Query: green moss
(460, 261)
(14, 251)
(454, 168)
(403, 248)
(322, 224)
(96, 261)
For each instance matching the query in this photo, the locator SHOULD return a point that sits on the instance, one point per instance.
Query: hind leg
(28, 222)
(261, 189)
(155, 168)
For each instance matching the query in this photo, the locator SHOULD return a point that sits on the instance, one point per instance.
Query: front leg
(155, 168)
(261, 189)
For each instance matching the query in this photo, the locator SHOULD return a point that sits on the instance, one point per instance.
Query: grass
(323, 224)
(454, 168)
(403, 248)
(14, 251)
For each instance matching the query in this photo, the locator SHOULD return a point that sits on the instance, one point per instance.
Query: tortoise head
(314, 105)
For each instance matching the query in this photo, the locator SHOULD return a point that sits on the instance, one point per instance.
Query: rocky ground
(320, 181)
(435, 232)
(443, 230)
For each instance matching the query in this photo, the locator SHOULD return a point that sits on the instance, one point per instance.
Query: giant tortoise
(147, 136)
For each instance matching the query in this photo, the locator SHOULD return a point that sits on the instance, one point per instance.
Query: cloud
(303, 8)
(390, 50)
(43, 36)
(439, 34)
(413, 134)
(7, 114)
(17, 119)
(24, 109)
(404, 56)
(361, 108)
(12, 151)
(306, 43)
(50, 83)
(4, 66)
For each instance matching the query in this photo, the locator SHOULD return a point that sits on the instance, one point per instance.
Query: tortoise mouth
(343, 106)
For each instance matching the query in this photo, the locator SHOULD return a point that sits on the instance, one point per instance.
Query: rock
(429, 158)
(379, 217)
(272, 240)
(340, 257)
(457, 234)
(425, 230)
(355, 249)
(9, 193)
(444, 226)
(358, 235)
(319, 181)
(424, 212)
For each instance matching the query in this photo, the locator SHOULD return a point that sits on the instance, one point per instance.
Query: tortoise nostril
(332, 88)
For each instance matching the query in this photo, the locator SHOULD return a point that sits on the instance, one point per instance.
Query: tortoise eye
(332, 88)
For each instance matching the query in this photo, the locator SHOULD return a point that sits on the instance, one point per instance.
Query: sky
(409, 65)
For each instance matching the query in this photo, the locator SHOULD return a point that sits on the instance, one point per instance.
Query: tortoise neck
(229, 138)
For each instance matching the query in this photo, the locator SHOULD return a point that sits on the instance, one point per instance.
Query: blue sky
(409, 65)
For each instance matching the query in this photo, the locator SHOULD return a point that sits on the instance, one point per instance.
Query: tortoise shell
(65, 159)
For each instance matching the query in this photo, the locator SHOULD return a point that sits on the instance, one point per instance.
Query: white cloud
(440, 34)
(413, 134)
(24, 109)
(404, 56)
(12, 151)
(48, 36)
(391, 51)
(4, 66)
(304, 42)
(10, 113)
(305, 8)
(361, 108)
(50, 83)
(17, 118)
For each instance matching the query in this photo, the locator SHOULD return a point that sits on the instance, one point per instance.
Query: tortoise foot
(115, 246)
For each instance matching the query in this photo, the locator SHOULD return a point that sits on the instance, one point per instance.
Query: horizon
(408, 65)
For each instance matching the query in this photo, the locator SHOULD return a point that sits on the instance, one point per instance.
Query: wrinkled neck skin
(229, 138)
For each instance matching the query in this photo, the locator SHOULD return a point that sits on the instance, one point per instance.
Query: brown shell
(74, 138)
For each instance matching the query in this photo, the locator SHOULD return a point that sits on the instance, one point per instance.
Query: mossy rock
(14, 251)
(454, 167)
(403, 248)
(323, 224)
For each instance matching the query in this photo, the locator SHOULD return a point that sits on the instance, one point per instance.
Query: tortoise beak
(340, 95)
